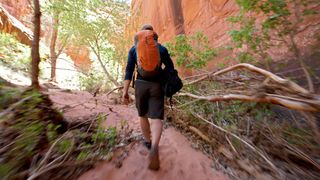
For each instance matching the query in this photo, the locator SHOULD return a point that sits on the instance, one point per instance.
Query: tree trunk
(107, 73)
(53, 54)
(35, 46)
(97, 53)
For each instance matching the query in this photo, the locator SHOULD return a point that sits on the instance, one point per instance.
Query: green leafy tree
(191, 51)
(95, 24)
(51, 9)
(272, 24)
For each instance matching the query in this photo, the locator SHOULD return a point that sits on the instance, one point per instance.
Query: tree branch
(284, 82)
(291, 104)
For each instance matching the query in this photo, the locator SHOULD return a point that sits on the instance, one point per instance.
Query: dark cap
(147, 27)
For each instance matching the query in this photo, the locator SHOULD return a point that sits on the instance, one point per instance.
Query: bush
(191, 51)
(35, 137)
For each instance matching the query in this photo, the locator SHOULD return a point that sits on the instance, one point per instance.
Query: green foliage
(33, 127)
(5, 169)
(17, 56)
(96, 78)
(30, 136)
(96, 24)
(245, 57)
(82, 155)
(221, 65)
(278, 23)
(27, 125)
(8, 96)
(308, 12)
(99, 136)
(103, 135)
(64, 145)
(111, 136)
(52, 131)
(14, 54)
(191, 51)
(91, 82)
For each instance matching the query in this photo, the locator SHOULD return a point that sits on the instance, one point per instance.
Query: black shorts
(149, 99)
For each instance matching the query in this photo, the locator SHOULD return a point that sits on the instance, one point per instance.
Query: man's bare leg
(156, 130)
(145, 127)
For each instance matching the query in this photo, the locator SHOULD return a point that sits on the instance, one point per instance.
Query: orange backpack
(148, 54)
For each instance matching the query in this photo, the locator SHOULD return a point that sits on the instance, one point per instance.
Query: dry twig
(240, 139)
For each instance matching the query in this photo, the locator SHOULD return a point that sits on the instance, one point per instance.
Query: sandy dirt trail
(178, 159)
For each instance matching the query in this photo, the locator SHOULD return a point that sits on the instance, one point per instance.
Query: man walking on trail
(148, 55)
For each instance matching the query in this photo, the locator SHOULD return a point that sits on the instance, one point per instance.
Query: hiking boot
(147, 144)
(154, 163)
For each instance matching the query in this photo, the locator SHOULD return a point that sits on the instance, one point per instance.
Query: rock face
(171, 18)
(20, 9)
(11, 25)
(80, 56)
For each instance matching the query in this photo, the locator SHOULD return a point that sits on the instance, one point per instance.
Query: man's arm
(128, 76)
(166, 59)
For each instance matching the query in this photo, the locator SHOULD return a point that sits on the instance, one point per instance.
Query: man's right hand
(125, 98)
(125, 95)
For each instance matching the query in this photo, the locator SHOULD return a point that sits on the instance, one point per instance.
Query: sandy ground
(178, 159)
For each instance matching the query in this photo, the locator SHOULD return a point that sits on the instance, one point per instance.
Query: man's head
(147, 27)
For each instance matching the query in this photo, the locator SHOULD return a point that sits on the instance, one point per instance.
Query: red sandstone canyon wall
(173, 17)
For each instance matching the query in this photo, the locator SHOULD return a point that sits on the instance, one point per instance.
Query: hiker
(148, 55)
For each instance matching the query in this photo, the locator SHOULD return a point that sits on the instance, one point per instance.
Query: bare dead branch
(302, 155)
(114, 89)
(188, 103)
(240, 139)
(230, 143)
(199, 133)
(252, 68)
(291, 104)
(268, 74)
(47, 155)
(67, 164)
(194, 76)
(13, 106)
